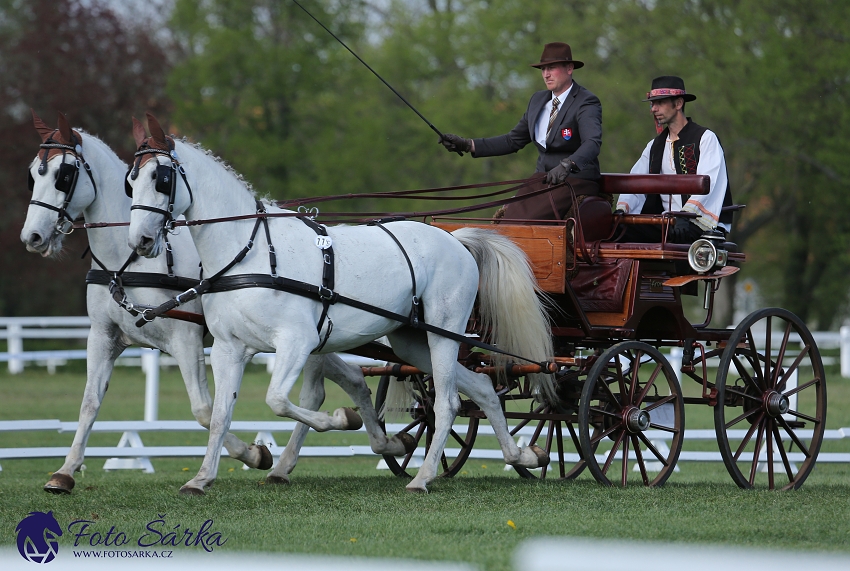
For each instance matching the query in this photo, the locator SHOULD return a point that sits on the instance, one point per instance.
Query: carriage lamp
(702, 256)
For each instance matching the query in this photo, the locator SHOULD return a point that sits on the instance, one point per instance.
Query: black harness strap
(415, 308)
(327, 280)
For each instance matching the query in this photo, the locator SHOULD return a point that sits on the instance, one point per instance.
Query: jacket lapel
(562, 114)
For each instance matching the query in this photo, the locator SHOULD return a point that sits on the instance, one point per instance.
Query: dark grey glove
(455, 143)
(560, 173)
(682, 233)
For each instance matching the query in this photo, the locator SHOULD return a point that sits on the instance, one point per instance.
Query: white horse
(370, 267)
(113, 328)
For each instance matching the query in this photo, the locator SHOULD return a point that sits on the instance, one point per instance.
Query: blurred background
(263, 86)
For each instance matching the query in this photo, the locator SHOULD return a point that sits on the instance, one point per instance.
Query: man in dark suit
(565, 123)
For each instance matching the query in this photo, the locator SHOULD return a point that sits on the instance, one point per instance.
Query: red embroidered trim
(666, 91)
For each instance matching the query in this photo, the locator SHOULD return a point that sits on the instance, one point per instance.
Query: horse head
(157, 186)
(59, 192)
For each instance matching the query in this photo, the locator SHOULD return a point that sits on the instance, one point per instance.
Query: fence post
(15, 344)
(150, 365)
(675, 360)
(844, 344)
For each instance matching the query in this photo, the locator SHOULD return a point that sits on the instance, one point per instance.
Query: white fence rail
(132, 453)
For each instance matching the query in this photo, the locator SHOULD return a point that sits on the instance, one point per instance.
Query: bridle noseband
(66, 180)
(166, 181)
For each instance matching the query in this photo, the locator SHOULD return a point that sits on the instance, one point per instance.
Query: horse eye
(56, 175)
(153, 175)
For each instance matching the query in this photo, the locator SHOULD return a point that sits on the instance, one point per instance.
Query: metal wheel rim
(768, 430)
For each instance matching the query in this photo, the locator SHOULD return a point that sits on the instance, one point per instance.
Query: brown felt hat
(557, 52)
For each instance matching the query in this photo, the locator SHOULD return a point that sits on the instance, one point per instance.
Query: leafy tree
(82, 59)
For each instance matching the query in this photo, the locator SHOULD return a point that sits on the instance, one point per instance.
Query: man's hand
(456, 144)
(681, 233)
(560, 173)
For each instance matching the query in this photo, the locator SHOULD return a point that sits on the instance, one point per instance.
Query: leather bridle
(166, 180)
(66, 180)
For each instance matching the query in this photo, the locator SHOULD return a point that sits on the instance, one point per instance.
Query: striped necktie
(552, 115)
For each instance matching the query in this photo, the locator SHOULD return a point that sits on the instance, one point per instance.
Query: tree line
(262, 85)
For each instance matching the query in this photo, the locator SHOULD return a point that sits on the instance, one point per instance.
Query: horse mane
(87, 137)
(226, 166)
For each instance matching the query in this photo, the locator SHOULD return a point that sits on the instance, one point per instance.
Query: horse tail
(396, 407)
(512, 307)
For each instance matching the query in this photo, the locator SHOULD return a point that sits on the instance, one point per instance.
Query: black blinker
(65, 178)
(164, 174)
(30, 180)
(128, 189)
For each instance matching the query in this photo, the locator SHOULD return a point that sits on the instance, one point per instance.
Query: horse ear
(65, 129)
(138, 132)
(157, 133)
(43, 130)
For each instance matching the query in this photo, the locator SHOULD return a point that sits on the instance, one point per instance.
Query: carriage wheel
(771, 401)
(421, 428)
(630, 399)
(558, 434)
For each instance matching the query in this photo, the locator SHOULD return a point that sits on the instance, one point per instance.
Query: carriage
(620, 411)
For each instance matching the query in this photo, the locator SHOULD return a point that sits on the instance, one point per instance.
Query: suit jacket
(581, 113)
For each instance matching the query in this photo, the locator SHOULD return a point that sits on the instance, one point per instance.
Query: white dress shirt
(707, 206)
(542, 123)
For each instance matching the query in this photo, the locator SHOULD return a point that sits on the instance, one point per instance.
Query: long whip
(399, 95)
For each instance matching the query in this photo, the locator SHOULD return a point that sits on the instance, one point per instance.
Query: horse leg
(228, 364)
(103, 347)
(312, 396)
(190, 360)
(290, 358)
(446, 404)
(479, 388)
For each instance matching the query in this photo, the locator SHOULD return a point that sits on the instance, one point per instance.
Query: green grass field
(347, 507)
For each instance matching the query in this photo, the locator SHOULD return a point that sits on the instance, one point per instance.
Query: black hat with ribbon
(668, 86)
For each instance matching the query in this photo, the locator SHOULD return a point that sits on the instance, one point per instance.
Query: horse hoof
(188, 490)
(352, 419)
(59, 484)
(408, 441)
(277, 480)
(266, 459)
(542, 457)
(416, 489)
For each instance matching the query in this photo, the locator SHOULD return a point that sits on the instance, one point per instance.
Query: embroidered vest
(685, 159)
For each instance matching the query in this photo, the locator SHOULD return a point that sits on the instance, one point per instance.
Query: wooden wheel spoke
(611, 397)
(444, 462)
(417, 438)
(670, 429)
(756, 365)
(740, 393)
(649, 384)
(605, 412)
(613, 453)
(793, 435)
(746, 439)
(799, 414)
(625, 473)
(781, 355)
(560, 441)
(802, 387)
(785, 462)
(794, 366)
(744, 374)
(660, 402)
(574, 436)
(604, 434)
(755, 462)
(640, 461)
(458, 439)
(524, 422)
(769, 440)
(767, 340)
(738, 419)
(634, 381)
(621, 381)
(413, 423)
(651, 448)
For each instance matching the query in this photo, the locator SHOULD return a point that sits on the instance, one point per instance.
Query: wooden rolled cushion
(654, 183)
